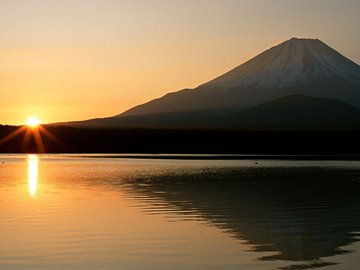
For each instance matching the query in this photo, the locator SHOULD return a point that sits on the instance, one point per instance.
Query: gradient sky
(77, 59)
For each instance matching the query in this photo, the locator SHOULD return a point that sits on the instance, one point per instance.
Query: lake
(109, 212)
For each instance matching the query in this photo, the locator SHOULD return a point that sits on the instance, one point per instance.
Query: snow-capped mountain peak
(295, 61)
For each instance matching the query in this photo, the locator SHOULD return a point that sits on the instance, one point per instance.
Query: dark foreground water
(74, 212)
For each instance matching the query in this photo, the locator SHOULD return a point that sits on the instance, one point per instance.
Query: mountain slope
(296, 112)
(297, 66)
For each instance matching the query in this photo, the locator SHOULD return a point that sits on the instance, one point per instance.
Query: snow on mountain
(296, 61)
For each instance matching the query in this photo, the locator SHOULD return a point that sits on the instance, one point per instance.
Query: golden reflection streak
(33, 162)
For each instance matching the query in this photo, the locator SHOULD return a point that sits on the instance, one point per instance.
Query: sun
(33, 122)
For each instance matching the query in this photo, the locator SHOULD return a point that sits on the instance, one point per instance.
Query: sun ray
(12, 135)
(49, 135)
(35, 130)
(26, 139)
(38, 140)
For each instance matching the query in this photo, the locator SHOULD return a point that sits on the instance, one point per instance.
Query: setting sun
(33, 122)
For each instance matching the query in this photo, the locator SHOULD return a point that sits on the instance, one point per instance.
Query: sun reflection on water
(33, 162)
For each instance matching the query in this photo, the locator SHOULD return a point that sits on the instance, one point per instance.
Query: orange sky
(71, 60)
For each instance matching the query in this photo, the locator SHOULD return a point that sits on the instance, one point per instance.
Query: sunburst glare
(32, 132)
(33, 122)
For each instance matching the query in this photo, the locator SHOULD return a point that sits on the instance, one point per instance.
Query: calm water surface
(76, 212)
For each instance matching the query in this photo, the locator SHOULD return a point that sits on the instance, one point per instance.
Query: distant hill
(299, 84)
(298, 112)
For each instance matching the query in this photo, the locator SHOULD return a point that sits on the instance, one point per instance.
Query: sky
(64, 60)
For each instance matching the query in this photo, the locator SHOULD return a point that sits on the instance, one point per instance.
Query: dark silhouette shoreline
(317, 144)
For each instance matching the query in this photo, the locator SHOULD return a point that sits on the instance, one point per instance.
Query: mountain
(297, 66)
(298, 84)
